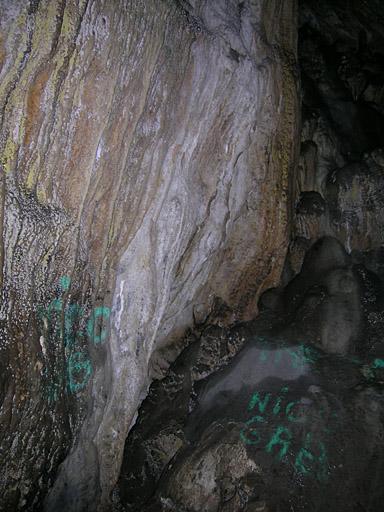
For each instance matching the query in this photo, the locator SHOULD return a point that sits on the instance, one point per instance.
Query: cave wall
(217, 433)
(147, 155)
(340, 187)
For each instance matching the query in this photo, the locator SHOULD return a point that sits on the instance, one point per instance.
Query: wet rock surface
(149, 187)
(340, 189)
(146, 149)
(293, 421)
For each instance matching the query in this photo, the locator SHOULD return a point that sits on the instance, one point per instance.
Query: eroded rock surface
(340, 188)
(293, 421)
(304, 394)
(147, 160)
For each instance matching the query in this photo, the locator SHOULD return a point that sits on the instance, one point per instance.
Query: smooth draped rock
(147, 158)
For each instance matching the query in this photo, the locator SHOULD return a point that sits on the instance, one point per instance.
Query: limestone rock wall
(340, 188)
(147, 154)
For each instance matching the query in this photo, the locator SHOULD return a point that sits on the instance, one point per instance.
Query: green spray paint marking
(296, 419)
(252, 432)
(55, 306)
(304, 453)
(306, 460)
(306, 354)
(300, 357)
(100, 312)
(65, 283)
(79, 366)
(277, 406)
(79, 371)
(53, 391)
(74, 312)
(375, 365)
(276, 440)
(256, 400)
(378, 363)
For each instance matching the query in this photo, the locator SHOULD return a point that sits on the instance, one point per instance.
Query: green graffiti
(79, 371)
(100, 312)
(263, 403)
(53, 391)
(251, 432)
(56, 305)
(378, 363)
(65, 321)
(46, 313)
(296, 419)
(305, 456)
(299, 356)
(368, 371)
(276, 440)
(65, 283)
(256, 400)
(277, 406)
(302, 356)
(306, 461)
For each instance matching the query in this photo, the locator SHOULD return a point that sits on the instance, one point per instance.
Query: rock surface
(293, 420)
(340, 188)
(147, 156)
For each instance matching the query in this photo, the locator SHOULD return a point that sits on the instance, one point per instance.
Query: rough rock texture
(292, 420)
(340, 187)
(147, 154)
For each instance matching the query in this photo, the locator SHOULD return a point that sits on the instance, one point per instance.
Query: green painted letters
(276, 440)
(98, 312)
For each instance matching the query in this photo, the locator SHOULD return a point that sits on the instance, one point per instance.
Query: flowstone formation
(340, 187)
(282, 413)
(285, 413)
(147, 161)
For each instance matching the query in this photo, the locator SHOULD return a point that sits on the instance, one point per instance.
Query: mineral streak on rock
(147, 151)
